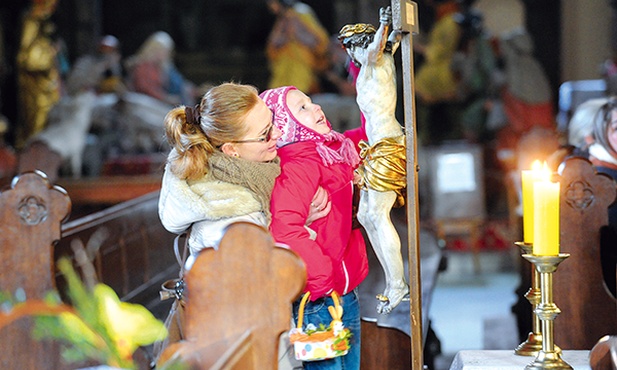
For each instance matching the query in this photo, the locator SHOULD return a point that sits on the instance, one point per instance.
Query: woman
(222, 165)
(603, 151)
(603, 155)
(314, 155)
(221, 168)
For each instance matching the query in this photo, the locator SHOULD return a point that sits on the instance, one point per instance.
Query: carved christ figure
(382, 171)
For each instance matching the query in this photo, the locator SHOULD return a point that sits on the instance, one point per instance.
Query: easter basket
(321, 341)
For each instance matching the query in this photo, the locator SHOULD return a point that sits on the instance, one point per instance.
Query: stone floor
(473, 310)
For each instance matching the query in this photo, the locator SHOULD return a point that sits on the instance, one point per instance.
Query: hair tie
(192, 115)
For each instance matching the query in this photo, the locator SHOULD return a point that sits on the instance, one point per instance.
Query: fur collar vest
(212, 199)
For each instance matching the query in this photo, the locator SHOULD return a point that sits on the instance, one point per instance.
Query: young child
(314, 155)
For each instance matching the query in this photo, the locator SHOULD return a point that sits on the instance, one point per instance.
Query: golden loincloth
(383, 167)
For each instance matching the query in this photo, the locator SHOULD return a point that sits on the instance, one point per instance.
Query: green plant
(97, 326)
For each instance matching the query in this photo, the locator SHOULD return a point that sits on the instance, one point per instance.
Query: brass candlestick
(548, 357)
(533, 344)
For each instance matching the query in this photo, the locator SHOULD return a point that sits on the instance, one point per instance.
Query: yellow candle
(546, 215)
(528, 178)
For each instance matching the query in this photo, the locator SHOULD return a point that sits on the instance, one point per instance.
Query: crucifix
(405, 19)
(389, 157)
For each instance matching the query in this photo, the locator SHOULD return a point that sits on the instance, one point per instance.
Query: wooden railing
(131, 251)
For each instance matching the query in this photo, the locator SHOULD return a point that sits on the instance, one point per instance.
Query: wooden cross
(405, 18)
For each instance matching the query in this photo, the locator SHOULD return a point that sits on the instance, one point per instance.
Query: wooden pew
(239, 301)
(131, 250)
(132, 253)
(601, 355)
(588, 311)
(31, 212)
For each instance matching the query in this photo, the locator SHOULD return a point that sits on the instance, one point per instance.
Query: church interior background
(222, 40)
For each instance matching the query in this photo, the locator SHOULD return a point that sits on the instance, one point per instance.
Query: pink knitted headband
(293, 131)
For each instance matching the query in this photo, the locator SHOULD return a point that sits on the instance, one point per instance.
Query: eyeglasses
(265, 138)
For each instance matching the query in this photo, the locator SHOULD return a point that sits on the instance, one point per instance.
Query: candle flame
(545, 173)
(537, 165)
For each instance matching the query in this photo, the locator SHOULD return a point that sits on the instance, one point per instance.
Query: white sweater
(209, 205)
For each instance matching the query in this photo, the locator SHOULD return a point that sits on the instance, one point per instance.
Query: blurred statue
(527, 91)
(296, 46)
(8, 158)
(67, 130)
(101, 71)
(435, 80)
(37, 74)
(436, 85)
(383, 170)
(527, 102)
(475, 65)
(152, 71)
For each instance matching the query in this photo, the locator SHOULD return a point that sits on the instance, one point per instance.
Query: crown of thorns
(359, 34)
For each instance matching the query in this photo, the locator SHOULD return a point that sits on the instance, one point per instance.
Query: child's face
(306, 112)
(612, 131)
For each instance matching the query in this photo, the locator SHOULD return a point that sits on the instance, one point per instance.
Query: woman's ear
(229, 149)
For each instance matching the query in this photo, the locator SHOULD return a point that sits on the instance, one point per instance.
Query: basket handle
(335, 299)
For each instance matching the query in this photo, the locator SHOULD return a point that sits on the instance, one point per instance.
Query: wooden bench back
(240, 295)
(31, 212)
(588, 311)
(132, 251)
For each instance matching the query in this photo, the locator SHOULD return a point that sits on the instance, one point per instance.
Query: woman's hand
(320, 206)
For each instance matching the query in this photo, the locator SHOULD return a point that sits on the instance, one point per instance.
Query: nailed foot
(391, 297)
